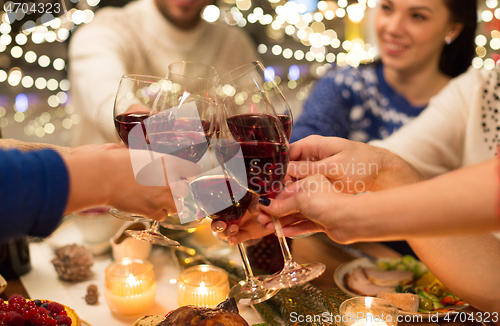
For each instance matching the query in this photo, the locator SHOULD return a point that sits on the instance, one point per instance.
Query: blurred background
(299, 40)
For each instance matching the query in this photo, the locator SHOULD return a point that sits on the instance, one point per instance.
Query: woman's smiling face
(411, 33)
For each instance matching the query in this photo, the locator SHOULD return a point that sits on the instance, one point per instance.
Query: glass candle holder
(130, 286)
(202, 285)
(368, 311)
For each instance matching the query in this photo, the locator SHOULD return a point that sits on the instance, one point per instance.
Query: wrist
(343, 225)
(395, 172)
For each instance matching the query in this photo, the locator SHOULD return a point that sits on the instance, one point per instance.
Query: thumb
(282, 207)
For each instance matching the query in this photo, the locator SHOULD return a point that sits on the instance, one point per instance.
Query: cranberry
(43, 311)
(64, 320)
(16, 298)
(16, 320)
(55, 307)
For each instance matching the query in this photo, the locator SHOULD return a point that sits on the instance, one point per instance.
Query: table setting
(110, 267)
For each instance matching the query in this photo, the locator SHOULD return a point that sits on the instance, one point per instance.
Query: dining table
(42, 281)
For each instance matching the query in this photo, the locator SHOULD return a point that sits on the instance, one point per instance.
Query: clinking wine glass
(221, 198)
(191, 100)
(133, 104)
(134, 99)
(252, 135)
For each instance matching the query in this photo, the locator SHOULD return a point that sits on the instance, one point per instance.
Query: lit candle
(202, 285)
(130, 286)
(368, 311)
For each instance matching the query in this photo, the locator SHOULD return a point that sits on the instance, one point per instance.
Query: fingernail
(264, 201)
(220, 226)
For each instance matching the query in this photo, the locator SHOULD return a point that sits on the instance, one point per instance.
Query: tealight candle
(129, 286)
(368, 311)
(202, 285)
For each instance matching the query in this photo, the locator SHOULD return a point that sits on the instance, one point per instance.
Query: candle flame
(202, 284)
(368, 302)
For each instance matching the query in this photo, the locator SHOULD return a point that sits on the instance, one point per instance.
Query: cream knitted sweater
(460, 127)
(137, 39)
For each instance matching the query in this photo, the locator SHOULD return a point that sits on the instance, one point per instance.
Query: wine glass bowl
(188, 103)
(254, 127)
(223, 199)
(134, 99)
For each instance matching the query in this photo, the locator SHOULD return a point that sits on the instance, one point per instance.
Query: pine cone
(92, 288)
(91, 299)
(92, 296)
(73, 263)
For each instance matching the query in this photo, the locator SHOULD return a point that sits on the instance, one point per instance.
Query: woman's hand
(352, 167)
(248, 227)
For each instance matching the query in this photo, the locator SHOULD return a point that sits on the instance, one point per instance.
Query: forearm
(461, 202)
(26, 147)
(467, 265)
(89, 176)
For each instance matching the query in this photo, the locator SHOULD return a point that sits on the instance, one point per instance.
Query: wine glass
(253, 136)
(191, 97)
(133, 104)
(132, 107)
(222, 198)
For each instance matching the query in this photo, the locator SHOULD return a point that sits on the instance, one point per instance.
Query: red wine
(187, 139)
(188, 145)
(214, 192)
(286, 123)
(265, 162)
(261, 127)
(125, 122)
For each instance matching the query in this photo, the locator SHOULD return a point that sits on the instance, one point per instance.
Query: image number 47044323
(25, 15)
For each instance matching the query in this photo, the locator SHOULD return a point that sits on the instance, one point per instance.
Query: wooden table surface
(315, 249)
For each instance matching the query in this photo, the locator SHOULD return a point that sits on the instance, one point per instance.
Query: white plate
(68, 233)
(348, 267)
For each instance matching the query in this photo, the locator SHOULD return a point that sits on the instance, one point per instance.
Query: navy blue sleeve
(34, 189)
(326, 110)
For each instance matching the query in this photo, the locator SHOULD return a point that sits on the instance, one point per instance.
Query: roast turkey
(225, 314)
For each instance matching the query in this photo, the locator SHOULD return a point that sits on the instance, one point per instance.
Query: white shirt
(460, 127)
(137, 39)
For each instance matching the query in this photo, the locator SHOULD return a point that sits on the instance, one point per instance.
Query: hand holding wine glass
(253, 135)
(134, 103)
(222, 199)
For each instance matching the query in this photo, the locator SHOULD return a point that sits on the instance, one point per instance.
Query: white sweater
(137, 39)
(460, 127)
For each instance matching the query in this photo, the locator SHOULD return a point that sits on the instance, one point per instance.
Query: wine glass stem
(156, 226)
(290, 264)
(249, 277)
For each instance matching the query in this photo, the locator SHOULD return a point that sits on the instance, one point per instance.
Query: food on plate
(18, 311)
(390, 278)
(393, 278)
(404, 301)
(151, 320)
(358, 282)
(226, 313)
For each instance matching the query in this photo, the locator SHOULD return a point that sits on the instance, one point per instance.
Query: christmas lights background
(299, 41)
